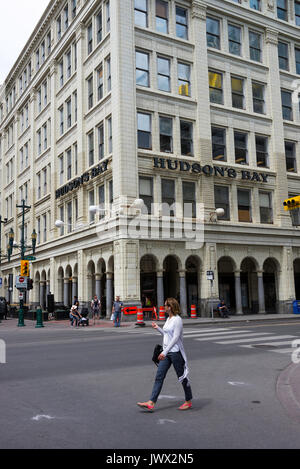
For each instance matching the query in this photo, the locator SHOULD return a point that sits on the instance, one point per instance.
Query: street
(78, 388)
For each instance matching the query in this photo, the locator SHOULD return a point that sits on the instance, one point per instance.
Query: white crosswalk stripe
(275, 337)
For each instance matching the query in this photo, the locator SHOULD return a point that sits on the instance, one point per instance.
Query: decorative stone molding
(271, 36)
(199, 10)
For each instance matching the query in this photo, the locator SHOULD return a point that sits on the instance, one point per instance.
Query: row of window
(188, 202)
(95, 85)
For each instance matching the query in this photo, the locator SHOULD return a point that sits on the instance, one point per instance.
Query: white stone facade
(74, 112)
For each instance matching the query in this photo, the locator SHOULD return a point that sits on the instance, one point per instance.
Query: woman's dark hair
(174, 305)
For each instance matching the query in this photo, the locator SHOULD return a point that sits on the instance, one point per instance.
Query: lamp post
(23, 248)
(2, 222)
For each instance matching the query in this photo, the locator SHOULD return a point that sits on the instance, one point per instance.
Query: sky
(18, 19)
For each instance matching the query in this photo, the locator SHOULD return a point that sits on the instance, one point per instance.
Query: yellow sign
(292, 203)
(25, 268)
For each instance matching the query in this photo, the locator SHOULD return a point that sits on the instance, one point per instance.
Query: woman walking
(173, 353)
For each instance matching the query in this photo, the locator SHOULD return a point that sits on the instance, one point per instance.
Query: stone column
(160, 289)
(183, 297)
(74, 287)
(261, 293)
(109, 293)
(238, 294)
(66, 291)
(47, 292)
(98, 285)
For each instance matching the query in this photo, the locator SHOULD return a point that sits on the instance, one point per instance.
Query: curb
(288, 390)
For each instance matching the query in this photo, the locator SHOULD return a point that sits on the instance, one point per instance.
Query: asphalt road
(78, 389)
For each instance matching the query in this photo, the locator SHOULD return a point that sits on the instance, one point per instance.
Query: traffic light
(29, 284)
(292, 203)
(25, 268)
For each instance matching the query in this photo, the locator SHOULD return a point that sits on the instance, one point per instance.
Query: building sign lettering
(208, 170)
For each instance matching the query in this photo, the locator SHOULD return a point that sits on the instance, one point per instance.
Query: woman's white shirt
(173, 333)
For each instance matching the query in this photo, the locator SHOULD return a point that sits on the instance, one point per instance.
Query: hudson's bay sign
(75, 183)
(208, 170)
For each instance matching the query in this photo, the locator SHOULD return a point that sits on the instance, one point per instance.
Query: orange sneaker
(185, 406)
(146, 406)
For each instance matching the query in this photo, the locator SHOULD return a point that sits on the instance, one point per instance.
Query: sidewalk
(12, 323)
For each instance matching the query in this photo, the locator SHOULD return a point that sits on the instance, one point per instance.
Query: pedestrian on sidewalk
(173, 354)
(95, 306)
(117, 311)
(223, 309)
(74, 315)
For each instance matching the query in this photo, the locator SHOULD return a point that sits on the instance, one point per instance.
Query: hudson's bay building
(173, 102)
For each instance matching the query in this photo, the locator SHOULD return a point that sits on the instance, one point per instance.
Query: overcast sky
(18, 19)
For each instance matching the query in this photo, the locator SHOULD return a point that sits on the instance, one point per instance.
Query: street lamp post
(22, 246)
(2, 222)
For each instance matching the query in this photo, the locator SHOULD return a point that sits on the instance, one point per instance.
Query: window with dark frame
(258, 94)
(91, 148)
(184, 79)
(146, 193)
(100, 82)
(265, 207)
(290, 156)
(181, 22)
(255, 46)
(297, 60)
(142, 68)
(262, 156)
(255, 4)
(141, 13)
(161, 11)
(101, 195)
(286, 100)
(186, 138)
(101, 141)
(244, 205)
(282, 9)
(90, 92)
(283, 56)
(240, 147)
(218, 136)
(215, 87)
(168, 197)
(163, 74)
(297, 13)
(234, 39)
(222, 200)
(144, 130)
(189, 199)
(99, 26)
(166, 134)
(213, 33)
(237, 88)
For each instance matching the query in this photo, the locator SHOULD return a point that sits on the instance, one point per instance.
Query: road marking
(237, 383)
(275, 337)
(250, 334)
(285, 342)
(216, 334)
(162, 396)
(163, 421)
(199, 331)
(283, 350)
(40, 417)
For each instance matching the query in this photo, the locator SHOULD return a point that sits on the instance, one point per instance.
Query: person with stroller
(96, 306)
(74, 315)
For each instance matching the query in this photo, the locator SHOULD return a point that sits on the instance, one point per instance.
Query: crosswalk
(244, 338)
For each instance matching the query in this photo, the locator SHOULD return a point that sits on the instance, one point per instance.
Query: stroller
(84, 320)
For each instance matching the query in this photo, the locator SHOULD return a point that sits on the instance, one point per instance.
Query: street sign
(30, 258)
(210, 275)
(21, 282)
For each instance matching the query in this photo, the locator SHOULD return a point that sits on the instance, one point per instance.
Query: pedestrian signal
(292, 203)
(29, 284)
(25, 268)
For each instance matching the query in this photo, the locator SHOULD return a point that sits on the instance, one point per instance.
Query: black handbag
(156, 352)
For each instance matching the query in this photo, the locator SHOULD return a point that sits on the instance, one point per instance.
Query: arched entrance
(226, 270)
(148, 280)
(270, 285)
(171, 277)
(297, 278)
(249, 287)
(192, 267)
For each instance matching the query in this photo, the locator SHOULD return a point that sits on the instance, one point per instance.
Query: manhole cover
(265, 346)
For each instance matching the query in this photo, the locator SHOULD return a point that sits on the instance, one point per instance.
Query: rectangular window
(69, 164)
(66, 17)
(75, 106)
(189, 199)
(69, 64)
(100, 83)
(255, 46)
(61, 73)
(262, 157)
(107, 16)
(162, 16)
(91, 148)
(39, 189)
(49, 43)
(213, 33)
(234, 39)
(141, 13)
(101, 142)
(109, 134)
(42, 54)
(61, 120)
(90, 92)
(91, 202)
(297, 59)
(283, 56)
(258, 94)
(45, 136)
(237, 88)
(62, 218)
(144, 130)
(297, 13)
(186, 138)
(142, 68)
(38, 230)
(255, 4)
(215, 87)
(146, 193)
(163, 74)
(290, 156)
(218, 137)
(282, 9)
(58, 28)
(99, 26)
(181, 23)
(244, 205)
(286, 100)
(90, 38)
(168, 197)
(222, 200)
(184, 79)
(69, 216)
(76, 158)
(265, 207)
(74, 6)
(45, 93)
(108, 72)
(101, 194)
(240, 147)
(69, 113)
(61, 169)
(39, 141)
(166, 134)
(37, 59)
(44, 181)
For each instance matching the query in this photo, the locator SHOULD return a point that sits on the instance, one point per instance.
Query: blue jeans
(117, 319)
(177, 360)
(74, 318)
